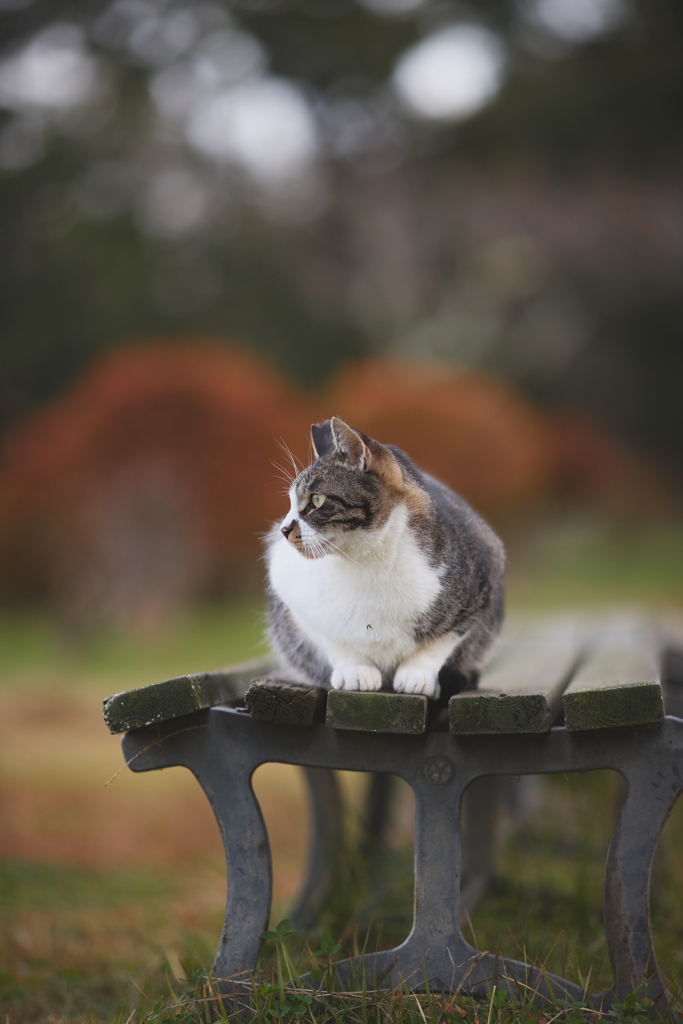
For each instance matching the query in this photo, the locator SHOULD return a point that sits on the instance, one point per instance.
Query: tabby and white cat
(380, 576)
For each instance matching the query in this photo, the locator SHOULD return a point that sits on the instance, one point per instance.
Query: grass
(35, 652)
(111, 896)
(591, 561)
(282, 993)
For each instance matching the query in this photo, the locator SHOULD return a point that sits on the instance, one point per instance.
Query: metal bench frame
(224, 746)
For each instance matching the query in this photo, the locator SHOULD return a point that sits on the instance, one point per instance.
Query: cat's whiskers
(335, 547)
(292, 458)
(312, 549)
(318, 546)
(314, 543)
(283, 473)
(320, 550)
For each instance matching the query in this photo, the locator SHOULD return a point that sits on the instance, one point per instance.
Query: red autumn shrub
(150, 480)
(474, 432)
(594, 464)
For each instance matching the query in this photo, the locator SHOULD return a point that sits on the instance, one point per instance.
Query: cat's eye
(317, 500)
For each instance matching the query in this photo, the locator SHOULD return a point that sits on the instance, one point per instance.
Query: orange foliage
(593, 462)
(474, 432)
(150, 481)
(213, 411)
(193, 426)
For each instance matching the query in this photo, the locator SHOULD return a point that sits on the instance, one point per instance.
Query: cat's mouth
(309, 544)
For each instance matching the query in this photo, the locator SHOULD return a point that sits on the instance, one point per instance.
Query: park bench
(559, 695)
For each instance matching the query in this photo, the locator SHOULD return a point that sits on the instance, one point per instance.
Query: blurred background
(460, 226)
(457, 224)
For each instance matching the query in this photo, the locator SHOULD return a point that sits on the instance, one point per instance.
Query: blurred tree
(495, 183)
(473, 432)
(479, 435)
(148, 484)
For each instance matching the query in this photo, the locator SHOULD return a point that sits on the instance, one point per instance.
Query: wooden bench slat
(285, 703)
(619, 683)
(376, 711)
(532, 675)
(160, 702)
(521, 692)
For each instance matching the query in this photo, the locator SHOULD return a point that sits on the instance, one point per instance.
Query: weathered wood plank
(618, 684)
(276, 700)
(160, 702)
(521, 691)
(376, 712)
(488, 713)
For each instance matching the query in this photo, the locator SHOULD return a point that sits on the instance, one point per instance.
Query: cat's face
(348, 492)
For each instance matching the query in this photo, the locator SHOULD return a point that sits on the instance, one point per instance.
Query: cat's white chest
(365, 608)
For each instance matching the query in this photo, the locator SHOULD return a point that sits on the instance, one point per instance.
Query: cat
(380, 576)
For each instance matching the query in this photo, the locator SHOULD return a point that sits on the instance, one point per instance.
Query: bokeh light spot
(450, 74)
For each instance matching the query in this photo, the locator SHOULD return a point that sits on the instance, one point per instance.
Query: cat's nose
(288, 527)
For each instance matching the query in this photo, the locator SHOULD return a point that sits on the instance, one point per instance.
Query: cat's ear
(369, 455)
(349, 441)
(384, 463)
(322, 439)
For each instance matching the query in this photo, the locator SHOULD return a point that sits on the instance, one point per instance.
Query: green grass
(82, 944)
(28, 885)
(592, 561)
(33, 647)
(92, 945)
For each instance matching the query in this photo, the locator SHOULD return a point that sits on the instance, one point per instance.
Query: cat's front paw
(357, 677)
(417, 680)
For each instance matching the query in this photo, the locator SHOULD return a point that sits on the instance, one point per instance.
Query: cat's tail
(452, 681)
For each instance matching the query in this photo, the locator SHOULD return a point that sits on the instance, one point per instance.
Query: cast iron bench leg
(653, 791)
(222, 748)
(224, 772)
